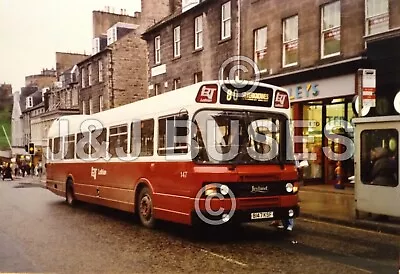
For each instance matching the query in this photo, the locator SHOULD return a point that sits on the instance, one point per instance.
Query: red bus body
(175, 184)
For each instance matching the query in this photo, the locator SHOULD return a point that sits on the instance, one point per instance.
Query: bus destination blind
(247, 96)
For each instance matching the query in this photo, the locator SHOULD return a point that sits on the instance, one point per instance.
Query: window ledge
(290, 66)
(225, 40)
(177, 58)
(198, 50)
(382, 35)
(330, 55)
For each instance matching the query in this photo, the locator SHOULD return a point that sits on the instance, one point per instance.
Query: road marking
(224, 258)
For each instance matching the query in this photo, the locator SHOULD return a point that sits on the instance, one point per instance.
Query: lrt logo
(207, 94)
(281, 100)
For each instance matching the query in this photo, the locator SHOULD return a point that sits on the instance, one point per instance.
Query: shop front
(322, 112)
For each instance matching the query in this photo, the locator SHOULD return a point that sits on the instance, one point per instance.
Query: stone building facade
(66, 60)
(114, 76)
(315, 49)
(191, 46)
(45, 79)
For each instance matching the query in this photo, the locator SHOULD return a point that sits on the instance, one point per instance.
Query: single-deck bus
(232, 163)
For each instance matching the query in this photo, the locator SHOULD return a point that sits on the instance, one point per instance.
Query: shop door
(335, 115)
(314, 133)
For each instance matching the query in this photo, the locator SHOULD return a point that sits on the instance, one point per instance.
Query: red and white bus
(124, 160)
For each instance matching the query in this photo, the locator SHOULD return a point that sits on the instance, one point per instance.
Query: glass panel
(260, 54)
(69, 147)
(335, 115)
(240, 137)
(376, 7)
(313, 134)
(291, 29)
(331, 15)
(379, 157)
(99, 147)
(331, 41)
(147, 138)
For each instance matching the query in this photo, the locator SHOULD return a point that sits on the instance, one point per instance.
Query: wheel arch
(140, 184)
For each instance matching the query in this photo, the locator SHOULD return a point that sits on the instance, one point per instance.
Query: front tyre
(145, 208)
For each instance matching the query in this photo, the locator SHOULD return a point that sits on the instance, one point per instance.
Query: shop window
(312, 134)
(290, 41)
(330, 32)
(379, 157)
(377, 16)
(260, 49)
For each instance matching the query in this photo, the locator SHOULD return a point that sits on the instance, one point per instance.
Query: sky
(31, 31)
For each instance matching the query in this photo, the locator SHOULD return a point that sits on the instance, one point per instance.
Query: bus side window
(147, 138)
(57, 149)
(82, 145)
(69, 147)
(118, 141)
(135, 139)
(98, 145)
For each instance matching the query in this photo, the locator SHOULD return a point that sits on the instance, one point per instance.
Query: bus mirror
(183, 115)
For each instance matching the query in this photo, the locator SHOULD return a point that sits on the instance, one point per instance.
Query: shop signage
(333, 87)
(368, 85)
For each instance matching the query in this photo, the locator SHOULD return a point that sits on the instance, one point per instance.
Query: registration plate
(262, 215)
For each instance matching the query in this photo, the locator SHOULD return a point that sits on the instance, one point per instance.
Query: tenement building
(191, 44)
(315, 49)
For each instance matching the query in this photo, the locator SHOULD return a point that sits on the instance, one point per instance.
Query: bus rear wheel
(69, 195)
(145, 208)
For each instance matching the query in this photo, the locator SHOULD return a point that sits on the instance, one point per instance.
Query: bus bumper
(245, 216)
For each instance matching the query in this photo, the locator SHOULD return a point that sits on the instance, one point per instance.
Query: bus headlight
(224, 189)
(289, 187)
(211, 190)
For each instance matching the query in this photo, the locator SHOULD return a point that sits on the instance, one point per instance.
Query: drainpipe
(111, 80)
(239, 3)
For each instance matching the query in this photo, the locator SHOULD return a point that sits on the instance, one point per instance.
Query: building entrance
(326, 118)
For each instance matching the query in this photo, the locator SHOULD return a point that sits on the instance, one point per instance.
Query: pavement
(327, 204)
(317, 202)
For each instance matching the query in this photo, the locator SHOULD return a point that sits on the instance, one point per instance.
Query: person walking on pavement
(7, 173)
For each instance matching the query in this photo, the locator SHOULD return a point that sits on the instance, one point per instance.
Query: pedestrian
(7, 173)
(16, 168)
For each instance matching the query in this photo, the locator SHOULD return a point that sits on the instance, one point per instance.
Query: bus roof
(146, 108)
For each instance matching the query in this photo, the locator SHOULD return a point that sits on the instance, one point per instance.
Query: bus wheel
(145, 208)
(70, 197)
